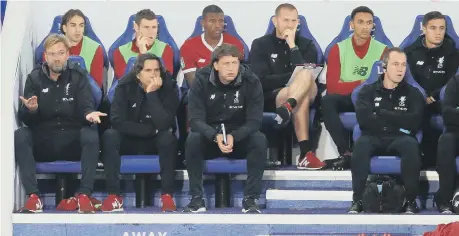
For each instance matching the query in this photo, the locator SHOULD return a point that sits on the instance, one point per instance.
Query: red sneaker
(70, 204)
(112, 203)
(84, 204)
(168, 203)
(33, 205)
(310, 162)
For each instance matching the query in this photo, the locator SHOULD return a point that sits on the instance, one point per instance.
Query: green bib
(88, 51)
(157, 49)
(352, 67)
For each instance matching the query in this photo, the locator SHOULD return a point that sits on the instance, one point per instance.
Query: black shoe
(411, 207)
(445, 208)
(249, 205)
(355, 208)
(196, 204)
(283, 114)
(343, 162)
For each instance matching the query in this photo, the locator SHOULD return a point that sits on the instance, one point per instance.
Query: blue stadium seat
(416, 31)
(58, 167)
(163, 35)
(228, 28)
(304, 31)
(96, 92)
(56, 29)
(346, 32)
(383, 164)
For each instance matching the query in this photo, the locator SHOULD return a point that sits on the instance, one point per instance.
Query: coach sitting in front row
(225, 98)
(389, 113)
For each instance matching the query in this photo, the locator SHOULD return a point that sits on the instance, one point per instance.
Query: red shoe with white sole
(112, 203)
(310, 162)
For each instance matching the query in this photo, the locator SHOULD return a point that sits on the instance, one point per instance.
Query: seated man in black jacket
(225, 98)
(389, 113)
(58, 109)
(433, 60)
(143, 119)
(448, 148)
(273, 59)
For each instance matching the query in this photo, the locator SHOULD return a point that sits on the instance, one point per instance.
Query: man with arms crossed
(389, 113)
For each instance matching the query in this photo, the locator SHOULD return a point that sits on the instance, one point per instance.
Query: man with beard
(145, 41)
(58, 109)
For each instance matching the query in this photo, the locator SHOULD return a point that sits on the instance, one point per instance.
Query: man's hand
(289, 36)
(224, 148)
(430, 100)
(94, 117)
(142, 44)
(154, 84)
(31, 103)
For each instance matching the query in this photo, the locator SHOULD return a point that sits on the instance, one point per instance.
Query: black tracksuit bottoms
(70, 145)
(164, 144)
(332, 105)
(448, 148)
(253, 148)
(406, 147)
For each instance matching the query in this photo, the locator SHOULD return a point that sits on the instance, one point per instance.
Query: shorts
(270, 100)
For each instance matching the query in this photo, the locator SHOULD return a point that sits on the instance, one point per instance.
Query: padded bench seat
(142, 165)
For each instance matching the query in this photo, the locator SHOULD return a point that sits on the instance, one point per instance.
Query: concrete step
(320, 199)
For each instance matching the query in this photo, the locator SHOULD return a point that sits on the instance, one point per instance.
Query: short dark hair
(387, 53)
(286, 6)
(433, 15)
(69, 15)
(140, 63)
(225, 50)
(363, 9)
(211, 9)
(146, 14)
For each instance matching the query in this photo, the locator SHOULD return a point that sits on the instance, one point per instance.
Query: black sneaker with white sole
(196, 204)
(250, 205)
(356, 207)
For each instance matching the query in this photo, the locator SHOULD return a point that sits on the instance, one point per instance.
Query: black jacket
(238, 105)
(450, 105)
(432, 68)
(383, 112)
(273, 62)
(136, 113)
(62, 104)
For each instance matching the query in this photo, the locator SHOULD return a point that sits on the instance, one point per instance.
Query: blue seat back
(163, 35)
(56, 29)
(416, 31)
(111, 91)
(304, 31)
(346, 32)
(376, 71)
(95, 90)
(229, 28)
